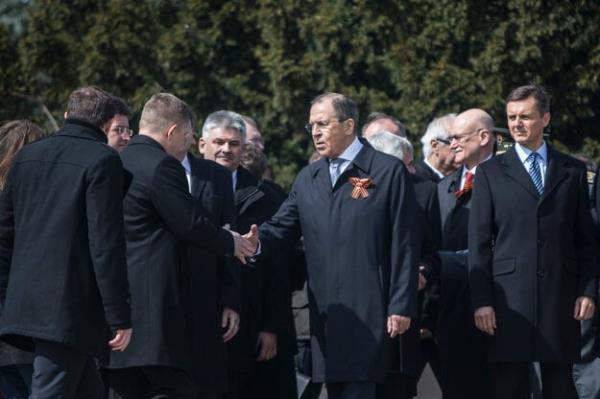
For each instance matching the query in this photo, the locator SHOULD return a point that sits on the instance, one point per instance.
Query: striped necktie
(534, 171)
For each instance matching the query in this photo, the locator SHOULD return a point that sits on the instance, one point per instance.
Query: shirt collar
(186, 165)
(474, 168)
(234, 176)
(352, 150)
(437, 172)
(524, 152)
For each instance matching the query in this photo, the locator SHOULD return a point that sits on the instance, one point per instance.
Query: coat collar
(143, 139)
(78, 128)
(362, 162)
(515, 169)
(247, 189)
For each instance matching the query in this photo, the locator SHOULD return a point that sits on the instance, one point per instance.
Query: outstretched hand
(252, 236)
(242, 246)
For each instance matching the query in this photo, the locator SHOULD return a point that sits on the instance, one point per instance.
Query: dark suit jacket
(531, 256)
(361, 257)
(454, 213)
(161, 220)
(425, 172)
(62, 250)
(266, 291)
(213, 281)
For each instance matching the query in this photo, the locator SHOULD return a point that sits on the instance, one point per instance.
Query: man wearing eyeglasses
(117, 128)
(355, 208)
(438, 160)
(462, 346)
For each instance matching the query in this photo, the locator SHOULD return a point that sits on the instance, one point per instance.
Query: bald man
(462, 345)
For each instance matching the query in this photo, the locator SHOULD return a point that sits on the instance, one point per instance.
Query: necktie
(334, 169)
(534, 171)
(468, 186)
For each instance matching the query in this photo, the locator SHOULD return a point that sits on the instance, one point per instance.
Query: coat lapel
(246, 190)
(514, 168)
(198, 182)
(554, 173)
(321, 178)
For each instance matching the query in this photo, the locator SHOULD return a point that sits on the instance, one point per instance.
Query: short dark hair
(536, 91)
(375, 116)
(254, 160)
(344, 107)
(121, 107)
(91, 104)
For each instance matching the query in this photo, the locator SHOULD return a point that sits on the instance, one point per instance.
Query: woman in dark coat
(16, 366)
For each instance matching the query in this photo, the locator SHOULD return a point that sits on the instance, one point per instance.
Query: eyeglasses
(124, 130)
(443, 141)
(321, 124)
(463, 137)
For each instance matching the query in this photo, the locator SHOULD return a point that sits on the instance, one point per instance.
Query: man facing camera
(266, 310)
(532, 254)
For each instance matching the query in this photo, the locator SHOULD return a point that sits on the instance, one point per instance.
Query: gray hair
(344, 107)
(439, 128)
(224, 119)
(391, 144)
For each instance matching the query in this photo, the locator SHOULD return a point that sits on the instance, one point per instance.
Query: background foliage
(415, 59)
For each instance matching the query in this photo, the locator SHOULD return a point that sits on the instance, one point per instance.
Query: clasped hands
(485, 316)
(244, 245)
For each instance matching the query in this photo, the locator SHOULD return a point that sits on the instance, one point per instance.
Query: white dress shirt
(188, 172)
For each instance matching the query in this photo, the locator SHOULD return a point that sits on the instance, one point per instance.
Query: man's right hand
(120, 340)
(485, 319)
(243, 247)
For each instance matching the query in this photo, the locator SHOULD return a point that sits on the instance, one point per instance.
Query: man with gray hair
(265, 315)
(351, 189)
(161, 220)
(429, 269)
(378, 121)
(438, 158)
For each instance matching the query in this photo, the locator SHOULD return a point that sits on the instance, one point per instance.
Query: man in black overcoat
(266, 324)
(161, 220)
(462, 345)
(355, 208)
(63, 276)
(532, 255)
(438, 157)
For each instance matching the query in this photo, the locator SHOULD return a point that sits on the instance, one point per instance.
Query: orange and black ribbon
(360, 187)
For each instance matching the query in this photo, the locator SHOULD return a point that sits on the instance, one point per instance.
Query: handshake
(245, 246)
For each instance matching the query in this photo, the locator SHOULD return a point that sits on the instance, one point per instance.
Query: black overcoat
(361, 261)
(161, 220)
(424, 171)
(62, 250)
(213, 281)
(531, 256)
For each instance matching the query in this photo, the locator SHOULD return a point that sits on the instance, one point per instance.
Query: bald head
(472, 138)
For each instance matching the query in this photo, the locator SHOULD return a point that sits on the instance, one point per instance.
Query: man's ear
(201, 144)
(170, 131)
(485, 137)
(351, 124)
(546, 118)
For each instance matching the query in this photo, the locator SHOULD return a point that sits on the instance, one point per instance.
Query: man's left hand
(584, 308)
(397, 325)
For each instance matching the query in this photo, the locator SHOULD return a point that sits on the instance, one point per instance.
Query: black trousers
(511, 381)
(156, 382)
(60, 371)
(397, 386)
(429, 354)
(351, 390)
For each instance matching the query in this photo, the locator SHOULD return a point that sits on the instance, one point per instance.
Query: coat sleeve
(183, 215)
(7, 232)
(585, 241)
(283, 230)
(481, 227)
(104, 211)
(230, 272)
(405, 246)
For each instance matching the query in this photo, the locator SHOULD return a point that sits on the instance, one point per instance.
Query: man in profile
(161, 220)
(353, 188)
(378, 121)
(63, 276)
